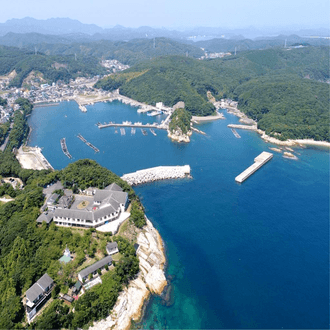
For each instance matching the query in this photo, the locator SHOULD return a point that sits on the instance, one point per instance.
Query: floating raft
(87, 143)
(65, 148)
(259, 161)
(235, 133)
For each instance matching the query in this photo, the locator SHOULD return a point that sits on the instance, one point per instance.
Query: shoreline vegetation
(286, 92)
(289, 143)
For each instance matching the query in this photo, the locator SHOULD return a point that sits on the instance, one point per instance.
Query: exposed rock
(289, 155)
(151, 279)
(179, 136)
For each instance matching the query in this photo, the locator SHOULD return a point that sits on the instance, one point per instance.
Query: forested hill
(283, 89)
(242, 44)
(127, 52)
(53, 68)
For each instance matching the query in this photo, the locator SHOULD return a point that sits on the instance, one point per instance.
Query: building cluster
(40, 292)
(214, 55)
(114, 65)
(105, 205)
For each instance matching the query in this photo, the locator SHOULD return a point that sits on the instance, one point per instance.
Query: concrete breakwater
(156, 173)
(247, 127)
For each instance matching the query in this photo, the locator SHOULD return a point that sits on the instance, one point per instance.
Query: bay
(251, 255)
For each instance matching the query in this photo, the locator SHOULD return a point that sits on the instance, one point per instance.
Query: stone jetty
(157, 173)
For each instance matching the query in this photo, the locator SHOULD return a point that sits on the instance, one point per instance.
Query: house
(37, 295)
(112, 248)
(83, 275)
(67, 298)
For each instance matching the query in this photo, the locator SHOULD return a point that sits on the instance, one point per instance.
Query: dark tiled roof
(75, 214)
(113, 187)
(34, 292)
(99, 264)
(112, 246)
(98, 214)
(45, 281)
(39, 287)
(47, 217)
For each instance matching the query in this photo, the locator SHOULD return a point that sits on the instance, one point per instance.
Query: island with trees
(180, 126)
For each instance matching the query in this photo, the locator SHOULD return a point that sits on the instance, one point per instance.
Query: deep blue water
(254, 255)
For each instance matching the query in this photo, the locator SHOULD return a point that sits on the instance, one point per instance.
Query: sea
(239, 256)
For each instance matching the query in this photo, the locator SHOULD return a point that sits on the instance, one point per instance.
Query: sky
(176, 13)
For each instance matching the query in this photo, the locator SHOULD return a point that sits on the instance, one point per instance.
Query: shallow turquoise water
(253, 255)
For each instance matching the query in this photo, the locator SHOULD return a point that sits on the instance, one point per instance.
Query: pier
(79, 136)
(129, 124)
(157, 173)
(65, 149)
(259, 161)
(247, 127)
(235, 133)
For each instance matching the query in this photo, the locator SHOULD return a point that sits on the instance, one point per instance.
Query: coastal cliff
(151, 279)
(179, 136)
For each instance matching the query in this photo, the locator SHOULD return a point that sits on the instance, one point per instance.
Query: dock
(79, 136)
(135, 125)
(65, 148)
(259, 161)
(235, 133)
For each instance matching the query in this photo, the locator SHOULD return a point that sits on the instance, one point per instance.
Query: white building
(108, 205)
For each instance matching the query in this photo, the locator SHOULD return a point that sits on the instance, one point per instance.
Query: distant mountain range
(89, 32)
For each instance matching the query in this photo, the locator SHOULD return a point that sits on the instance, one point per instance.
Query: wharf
(247, 127)
(65, 148)
(129, 124)
(87, 143)
(259, 161)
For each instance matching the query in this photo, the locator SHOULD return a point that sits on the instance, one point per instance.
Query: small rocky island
(179, 127)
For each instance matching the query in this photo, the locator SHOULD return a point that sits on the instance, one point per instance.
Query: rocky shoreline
(150, 280)
(252, 125)
(179, 137)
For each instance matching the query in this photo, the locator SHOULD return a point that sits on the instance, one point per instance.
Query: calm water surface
(254, 255)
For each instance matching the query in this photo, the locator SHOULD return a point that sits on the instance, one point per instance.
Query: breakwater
(247, 127)
(65, 148)
(156, 173)
(259, 161)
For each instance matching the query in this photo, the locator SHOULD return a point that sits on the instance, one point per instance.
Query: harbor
(79, 136)
(65, 148)
(259, 161)
(156, 173)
